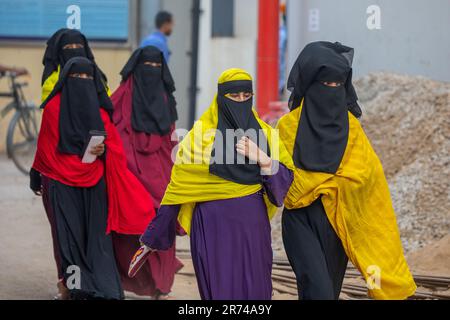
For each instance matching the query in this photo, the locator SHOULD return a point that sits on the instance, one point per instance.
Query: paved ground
(27, 268)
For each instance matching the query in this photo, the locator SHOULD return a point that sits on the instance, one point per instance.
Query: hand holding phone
(98, 150)
(96, 138)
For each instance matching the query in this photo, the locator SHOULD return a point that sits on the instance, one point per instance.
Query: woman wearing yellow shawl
(230, 175)
(339, 204)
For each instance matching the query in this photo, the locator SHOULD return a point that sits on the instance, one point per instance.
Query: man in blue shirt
(164, 24)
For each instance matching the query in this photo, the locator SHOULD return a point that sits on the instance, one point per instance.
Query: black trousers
(314, 251)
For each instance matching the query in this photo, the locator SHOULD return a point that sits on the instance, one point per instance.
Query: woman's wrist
(265, 163)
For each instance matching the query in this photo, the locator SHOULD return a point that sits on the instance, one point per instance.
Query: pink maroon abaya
(149, 158)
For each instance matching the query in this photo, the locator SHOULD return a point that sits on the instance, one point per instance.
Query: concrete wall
(147, 11)
(215, 54)
(413, 38)
(179, 44)
(219, 54)
(110, 61)
(180, 61)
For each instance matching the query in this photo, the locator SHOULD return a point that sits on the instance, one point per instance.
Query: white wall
(219, 54)
(413, 39)
(179, 45)
(180, 60)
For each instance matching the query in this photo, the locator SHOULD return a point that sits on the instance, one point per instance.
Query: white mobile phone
(88, 157)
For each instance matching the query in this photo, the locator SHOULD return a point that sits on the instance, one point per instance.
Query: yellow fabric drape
(191, 181)
(51, 81)
(358, 205)
(49, 84)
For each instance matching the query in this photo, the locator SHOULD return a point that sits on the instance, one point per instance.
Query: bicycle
(23, 129)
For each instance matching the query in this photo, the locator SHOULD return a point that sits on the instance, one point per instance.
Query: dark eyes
(153, 64)
(81, 76)
(332, 84)
(239, 97)
(245, 95)
(73, 46)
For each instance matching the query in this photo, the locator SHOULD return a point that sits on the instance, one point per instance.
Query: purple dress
(230, 241)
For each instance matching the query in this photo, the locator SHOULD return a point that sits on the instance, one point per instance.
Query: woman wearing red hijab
(88, 200)
(145, 115)
(63, 45)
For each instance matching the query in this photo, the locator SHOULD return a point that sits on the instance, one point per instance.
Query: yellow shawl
(358, 205)
(191, 181)
(50, 82)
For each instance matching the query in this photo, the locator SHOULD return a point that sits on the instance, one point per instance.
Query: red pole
(267, 56)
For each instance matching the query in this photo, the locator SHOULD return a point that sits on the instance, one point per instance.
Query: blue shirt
(158, 40)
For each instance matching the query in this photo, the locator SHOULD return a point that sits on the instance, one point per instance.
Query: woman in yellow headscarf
(338, 206)
(230, 175)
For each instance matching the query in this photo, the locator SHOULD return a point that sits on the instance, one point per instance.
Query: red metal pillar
(267, 55)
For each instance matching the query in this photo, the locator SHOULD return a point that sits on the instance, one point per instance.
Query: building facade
(402, 36)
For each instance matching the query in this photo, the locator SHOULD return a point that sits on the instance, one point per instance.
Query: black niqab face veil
(154, 106)
(236, 119)
(55, 54)
(322, 133)
(81, 100)
(70, 38)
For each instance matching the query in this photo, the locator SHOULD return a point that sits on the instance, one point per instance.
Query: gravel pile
(407, 120)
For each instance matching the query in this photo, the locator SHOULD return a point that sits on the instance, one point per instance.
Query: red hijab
(130, 206)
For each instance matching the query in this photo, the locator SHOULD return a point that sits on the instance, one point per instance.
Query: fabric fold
(191, 180)
(358, 205)
(130, 206)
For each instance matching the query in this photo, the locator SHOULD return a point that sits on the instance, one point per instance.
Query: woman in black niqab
(320, 82)
(81, 100)
(237, 117)
(61, 47)
(145, 115)
(153, 103)
(322, 78)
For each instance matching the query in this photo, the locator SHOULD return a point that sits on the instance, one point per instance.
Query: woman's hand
(36, 182)
(248, 148)
(144, 245)
(98, 150)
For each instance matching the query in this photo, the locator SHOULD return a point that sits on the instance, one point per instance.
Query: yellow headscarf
(50, 82)
(358, 205)
(191, 181)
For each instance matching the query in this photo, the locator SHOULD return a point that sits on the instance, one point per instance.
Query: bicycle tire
(23, 125)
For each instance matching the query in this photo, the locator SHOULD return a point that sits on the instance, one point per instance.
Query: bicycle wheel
(22, 136)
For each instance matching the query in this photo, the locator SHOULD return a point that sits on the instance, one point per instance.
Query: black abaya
(315, 252)
(81, 217)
